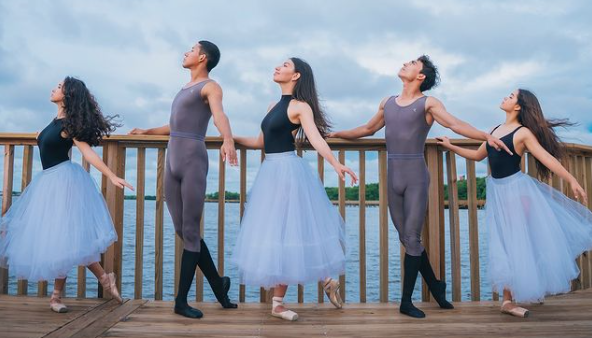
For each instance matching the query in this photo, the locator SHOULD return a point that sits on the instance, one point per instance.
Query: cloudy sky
(129, 54)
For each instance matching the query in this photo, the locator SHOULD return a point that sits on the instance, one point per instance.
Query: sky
(129, 54)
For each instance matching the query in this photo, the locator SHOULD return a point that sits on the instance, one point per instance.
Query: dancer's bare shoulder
(212, 87)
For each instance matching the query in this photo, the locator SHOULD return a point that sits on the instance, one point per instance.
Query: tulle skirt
(60, 221)
(535, 235)
(290, 232)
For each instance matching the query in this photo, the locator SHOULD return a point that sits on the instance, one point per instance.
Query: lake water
(252, 293)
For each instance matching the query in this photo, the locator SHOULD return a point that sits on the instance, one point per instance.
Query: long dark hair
(531, 116)
(305, 90)
(84, 120)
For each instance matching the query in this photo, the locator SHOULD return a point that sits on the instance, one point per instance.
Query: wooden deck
(563, 316)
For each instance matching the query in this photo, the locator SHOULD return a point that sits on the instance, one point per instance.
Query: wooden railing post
(6, 202)
(114, 199)
(383, 225)
(453, 215)
(473, 232)
(432, 242)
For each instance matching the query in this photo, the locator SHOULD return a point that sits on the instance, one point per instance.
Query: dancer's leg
(188, 265)
(219, 285)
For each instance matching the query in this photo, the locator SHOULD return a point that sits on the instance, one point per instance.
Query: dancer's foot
(187, 311)
(438, 290)
(278, 310)
(108, 282)
(512, 309)
(55, 302)
(221, 293)
(407, 308)
(331, 288)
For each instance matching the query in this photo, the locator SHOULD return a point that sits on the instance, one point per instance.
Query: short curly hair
(432, 77)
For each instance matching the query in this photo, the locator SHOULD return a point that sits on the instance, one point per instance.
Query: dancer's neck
(61, 111)
(410, 91)
(199, 74)
(511, 119)
(287, 88)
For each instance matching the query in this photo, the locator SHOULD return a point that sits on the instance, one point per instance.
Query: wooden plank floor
(562, 316)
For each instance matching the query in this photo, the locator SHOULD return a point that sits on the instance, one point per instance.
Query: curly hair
(84, 120)
(432, 76)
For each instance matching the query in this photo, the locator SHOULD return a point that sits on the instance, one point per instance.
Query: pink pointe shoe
(286, 314)
(331, 288)
(516, 311)
(55, 302)
(108, 283)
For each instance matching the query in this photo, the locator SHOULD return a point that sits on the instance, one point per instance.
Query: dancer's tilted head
(83, 120)
(421, 70)
(525, 105)
(202, 53)
(297, 76)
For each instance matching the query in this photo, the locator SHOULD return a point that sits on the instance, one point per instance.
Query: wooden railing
(441, 165)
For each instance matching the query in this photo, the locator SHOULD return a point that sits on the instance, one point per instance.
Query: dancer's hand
(443, 141)
(342, 170)
(332, 134)
(578, 192)
(498, 144)
(121, 183)
(228, 151)
(137, 131)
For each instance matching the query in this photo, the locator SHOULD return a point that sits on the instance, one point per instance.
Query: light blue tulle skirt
(535, 235)
(60, 221)
(290, 232)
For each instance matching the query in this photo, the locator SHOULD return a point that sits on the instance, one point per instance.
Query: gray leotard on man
(408, 177)
(187, 163)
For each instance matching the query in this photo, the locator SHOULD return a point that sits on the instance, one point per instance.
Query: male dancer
(187, 168)
(408, 118)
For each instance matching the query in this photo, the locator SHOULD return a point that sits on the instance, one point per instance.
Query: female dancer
(290, 232)
(61, 219)
(535, 232)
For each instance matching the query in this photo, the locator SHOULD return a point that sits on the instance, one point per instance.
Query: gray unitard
(408, 177)
(187, 164)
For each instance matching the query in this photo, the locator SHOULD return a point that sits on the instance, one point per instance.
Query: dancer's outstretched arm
(447, 120)
(213, 92)
(303, 112)
(531, 143)
(370, 128)
(91, 157)
(471, 154)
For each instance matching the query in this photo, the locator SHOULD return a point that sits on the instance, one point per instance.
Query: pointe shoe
(331, 288)
(55, 303)
(108, 283)
(516, 311)
(286, 314)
